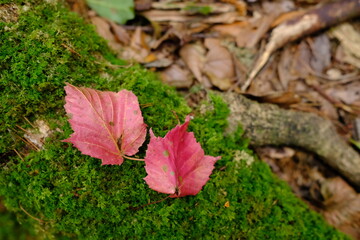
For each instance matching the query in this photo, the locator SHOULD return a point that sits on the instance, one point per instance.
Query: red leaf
(107, 125)
(176, 164)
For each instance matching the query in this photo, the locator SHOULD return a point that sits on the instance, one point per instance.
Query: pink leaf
(107, 125)
(176, 164)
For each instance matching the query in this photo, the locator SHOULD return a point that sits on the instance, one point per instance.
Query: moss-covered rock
(71, 196)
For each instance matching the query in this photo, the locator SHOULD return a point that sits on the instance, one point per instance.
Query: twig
(26, 141)
(18, 154)
(32, 125)
(70, 49)
(26, 131)
(35, 218)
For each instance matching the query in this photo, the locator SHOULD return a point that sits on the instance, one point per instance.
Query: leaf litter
(217, 44)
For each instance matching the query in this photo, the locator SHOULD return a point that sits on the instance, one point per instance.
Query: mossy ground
(73, 197)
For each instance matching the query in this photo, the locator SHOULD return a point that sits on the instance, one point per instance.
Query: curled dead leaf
(177, 76)
(219, 66)
(103, 29)
(194, 57)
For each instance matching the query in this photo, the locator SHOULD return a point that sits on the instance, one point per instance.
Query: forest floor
(217, 45)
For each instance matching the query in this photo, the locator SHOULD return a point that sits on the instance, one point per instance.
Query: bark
(267, 124)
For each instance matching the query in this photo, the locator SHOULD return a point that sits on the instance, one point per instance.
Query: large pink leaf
(107, 125)
(176, 164)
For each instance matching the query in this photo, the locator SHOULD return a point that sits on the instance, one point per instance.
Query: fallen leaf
(176, 164)
(107, 125)
(138, 49)
(118, 11)
(219, 65)
(233, 29)
(348, 93)
(276, 152)
(177, 76)
(169, 16)
(321, 52)
(228, 17)
(120, 33)
(142, 5)
(103, 29)
(342, 206)
(194, 56)
(286, 16)
(186, 6)
(284, 99)
(159, 63)
(349, 38)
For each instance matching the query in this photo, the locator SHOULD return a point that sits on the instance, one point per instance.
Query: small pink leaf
(107, 125)
(176, 164)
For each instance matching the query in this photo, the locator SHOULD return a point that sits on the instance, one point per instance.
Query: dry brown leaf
(215, 7)
(263, 24)
(138, 41)
(80, 7)
(219, 66)
(267, 82)
(284, 67)
(120, 33)
(103, 29)
(176, 76)
(274, 152)
(320, 105)
(169, 16)
(138, 49)
(321, 52)
(260, 27)
(246, 33)
(176, 30)
(336, 191)
(300, 60)
(284, 99)
(342, 206)
(348, 94)
(159, 63)
(349, 38)
(233, 29)
(228, 17)
(142, 5)
(194, 57)
(286, 16)
(293, 64)
(240, 5)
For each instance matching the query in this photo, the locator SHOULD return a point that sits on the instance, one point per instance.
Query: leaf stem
(132, 158)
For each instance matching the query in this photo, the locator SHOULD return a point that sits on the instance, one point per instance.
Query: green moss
(10, 229)
(73, 197)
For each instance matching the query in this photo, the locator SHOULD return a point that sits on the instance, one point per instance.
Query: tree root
(267, 124)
